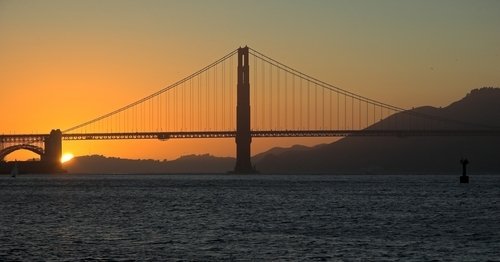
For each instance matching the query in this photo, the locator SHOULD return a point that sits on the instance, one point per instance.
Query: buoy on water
(464, 179)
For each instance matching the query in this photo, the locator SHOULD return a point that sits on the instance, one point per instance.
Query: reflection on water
(228, 217)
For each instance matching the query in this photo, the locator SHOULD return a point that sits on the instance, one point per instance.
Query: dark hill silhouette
(412, 154)
(278, 151)
(185, 164)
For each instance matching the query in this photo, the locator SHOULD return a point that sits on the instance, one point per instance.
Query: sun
(66, 157)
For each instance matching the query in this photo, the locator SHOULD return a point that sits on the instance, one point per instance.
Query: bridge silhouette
(282, 102)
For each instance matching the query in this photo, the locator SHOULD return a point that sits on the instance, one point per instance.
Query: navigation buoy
(464, 178)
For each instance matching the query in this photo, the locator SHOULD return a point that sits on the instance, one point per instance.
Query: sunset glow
(93, 57)
(66, 157)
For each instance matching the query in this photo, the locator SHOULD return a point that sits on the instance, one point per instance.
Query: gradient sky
(64, 62)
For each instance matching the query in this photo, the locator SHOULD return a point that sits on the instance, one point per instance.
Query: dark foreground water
(228, 217)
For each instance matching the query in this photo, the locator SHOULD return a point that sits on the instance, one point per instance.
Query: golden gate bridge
(244, 95)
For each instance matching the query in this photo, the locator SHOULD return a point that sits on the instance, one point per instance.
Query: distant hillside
(412, 154)
(277, 151)
(186, 164)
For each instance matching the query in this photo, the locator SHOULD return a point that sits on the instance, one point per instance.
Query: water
(228, 217)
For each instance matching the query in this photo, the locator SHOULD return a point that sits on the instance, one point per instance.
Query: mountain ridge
(428, 154)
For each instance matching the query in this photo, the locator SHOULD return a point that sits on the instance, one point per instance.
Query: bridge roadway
(32, 138)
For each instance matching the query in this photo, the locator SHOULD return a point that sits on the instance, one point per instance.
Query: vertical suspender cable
(323, 108)
(271, 96)
(293, 102)
(286, 102)
(308, 104)
(352, 112)
(223, 111)
(278, 123)
(207, 95)
(316, 106)
(374, 111)
(359, 114)
(263, 94)
(345, 112)
(183, 106)
(301, 109)
(191, 105)
(199, 103)
(255, 97)
(158, 115)
(232, 86)
(215, 97)
(151, 117)
(338, 111)
(331, 110)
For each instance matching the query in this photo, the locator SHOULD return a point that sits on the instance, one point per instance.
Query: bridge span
(218, 102)
(30, 138)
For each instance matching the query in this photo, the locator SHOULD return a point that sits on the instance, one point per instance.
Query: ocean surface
(250, 217)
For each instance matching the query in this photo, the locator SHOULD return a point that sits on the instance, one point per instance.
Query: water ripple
(241, 218)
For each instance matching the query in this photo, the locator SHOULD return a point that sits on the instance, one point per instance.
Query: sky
(64, 62)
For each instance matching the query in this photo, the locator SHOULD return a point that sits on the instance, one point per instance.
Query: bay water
(222, 217)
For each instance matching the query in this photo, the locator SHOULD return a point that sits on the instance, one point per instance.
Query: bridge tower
(243, 136)
(53, 148)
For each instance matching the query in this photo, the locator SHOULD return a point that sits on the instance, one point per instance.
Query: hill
(409, 154)
(97, 164)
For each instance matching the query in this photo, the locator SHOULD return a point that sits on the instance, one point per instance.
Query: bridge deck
(16, 138)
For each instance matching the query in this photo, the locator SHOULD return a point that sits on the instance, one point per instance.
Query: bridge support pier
(243, 136)
(53, 150)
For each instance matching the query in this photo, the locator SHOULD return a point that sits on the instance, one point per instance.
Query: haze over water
(249, 217)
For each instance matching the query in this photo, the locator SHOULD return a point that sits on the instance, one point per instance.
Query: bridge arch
(35, 149)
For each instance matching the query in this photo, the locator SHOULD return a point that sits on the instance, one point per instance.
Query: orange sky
(65, 62)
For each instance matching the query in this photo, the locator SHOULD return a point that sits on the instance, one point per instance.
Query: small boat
(14, 171)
